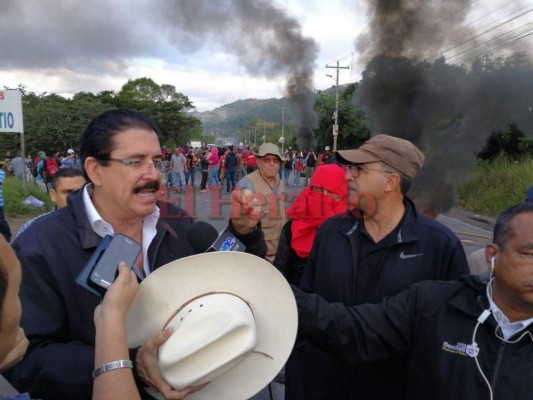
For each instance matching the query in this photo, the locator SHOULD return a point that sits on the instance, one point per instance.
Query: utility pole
(282, 139)
(336, 126)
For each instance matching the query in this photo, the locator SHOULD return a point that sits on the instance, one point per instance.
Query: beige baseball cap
(268, 148)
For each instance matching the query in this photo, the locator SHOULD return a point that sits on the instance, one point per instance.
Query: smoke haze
(448, 111)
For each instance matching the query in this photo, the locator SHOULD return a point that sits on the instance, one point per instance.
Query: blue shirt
(2, 176)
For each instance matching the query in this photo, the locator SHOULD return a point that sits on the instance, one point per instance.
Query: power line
(368, 45)
(458, 30)
(483, 33)
(504, 40)
(515, 36)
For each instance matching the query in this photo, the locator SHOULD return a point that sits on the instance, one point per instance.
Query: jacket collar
(407, 232)
(88, 238)
(463, 301)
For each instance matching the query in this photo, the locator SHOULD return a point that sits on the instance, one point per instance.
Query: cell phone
(121, 248)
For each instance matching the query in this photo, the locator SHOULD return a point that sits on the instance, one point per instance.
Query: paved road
(475, 231)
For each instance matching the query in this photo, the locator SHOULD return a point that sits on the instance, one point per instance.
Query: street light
(336, 126)
(336, 114)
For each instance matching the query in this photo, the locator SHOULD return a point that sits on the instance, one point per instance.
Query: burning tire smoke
(265, 40)
(449, 111)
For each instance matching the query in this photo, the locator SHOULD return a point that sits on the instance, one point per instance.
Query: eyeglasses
(143, 165)
(355, 169)
(270, 160)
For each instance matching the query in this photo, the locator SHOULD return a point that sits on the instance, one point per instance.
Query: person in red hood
(324, 198)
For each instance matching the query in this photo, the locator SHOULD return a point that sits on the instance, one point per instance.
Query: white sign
(11, 111)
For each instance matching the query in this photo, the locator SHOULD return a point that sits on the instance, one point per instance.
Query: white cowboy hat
(234, 318)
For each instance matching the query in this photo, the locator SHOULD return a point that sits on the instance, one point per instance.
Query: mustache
(153, 185)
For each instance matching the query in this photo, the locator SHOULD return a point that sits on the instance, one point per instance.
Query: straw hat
(234, 318)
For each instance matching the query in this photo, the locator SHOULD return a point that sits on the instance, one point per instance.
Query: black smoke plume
(448, 111)
(266, 41)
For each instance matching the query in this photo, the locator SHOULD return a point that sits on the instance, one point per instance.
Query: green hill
(229, 119)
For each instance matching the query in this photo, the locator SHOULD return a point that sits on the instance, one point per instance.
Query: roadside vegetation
(14, 195)
(496, 185)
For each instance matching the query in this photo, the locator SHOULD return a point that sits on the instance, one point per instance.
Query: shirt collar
(509, 329)
(98, 225)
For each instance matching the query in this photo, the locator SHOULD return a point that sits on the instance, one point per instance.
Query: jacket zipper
(497, 366)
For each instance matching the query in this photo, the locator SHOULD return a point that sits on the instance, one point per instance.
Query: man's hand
(147, 367)
(17, 352)
(245, 211)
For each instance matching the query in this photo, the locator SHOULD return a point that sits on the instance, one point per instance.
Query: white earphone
(492, 260)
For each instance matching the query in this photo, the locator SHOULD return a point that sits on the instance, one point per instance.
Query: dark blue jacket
(431, 325)
(57, 314)
(418, 249)
(230, 161)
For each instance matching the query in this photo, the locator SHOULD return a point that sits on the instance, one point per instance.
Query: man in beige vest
(262, 194)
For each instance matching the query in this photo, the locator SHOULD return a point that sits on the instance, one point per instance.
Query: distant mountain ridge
(230, 118)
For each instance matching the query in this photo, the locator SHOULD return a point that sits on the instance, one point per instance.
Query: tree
(53, 123)
(167, 107)
(511, 142)
(354, 127)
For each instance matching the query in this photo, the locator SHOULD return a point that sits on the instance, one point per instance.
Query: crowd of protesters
(41, 168)
(222, 166)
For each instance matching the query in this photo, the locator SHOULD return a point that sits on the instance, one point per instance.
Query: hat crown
(268, 148)
(265, 291)
(400, 154)
(212, 334)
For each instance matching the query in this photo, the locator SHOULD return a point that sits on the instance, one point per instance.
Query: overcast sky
(213, 51)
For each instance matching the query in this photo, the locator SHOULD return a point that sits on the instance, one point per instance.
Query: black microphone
(201, 235)
(227, 241)
(204, 238)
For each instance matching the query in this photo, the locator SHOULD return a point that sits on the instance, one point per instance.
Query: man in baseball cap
(379, 248)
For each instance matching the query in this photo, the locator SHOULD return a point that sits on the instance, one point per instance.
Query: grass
(495, 186)
(13, 197)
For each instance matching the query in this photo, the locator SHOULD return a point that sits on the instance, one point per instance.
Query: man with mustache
(121, 155)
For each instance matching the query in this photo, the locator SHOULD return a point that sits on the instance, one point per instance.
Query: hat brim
(355, 157)
(268, 154)
(253, 279)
